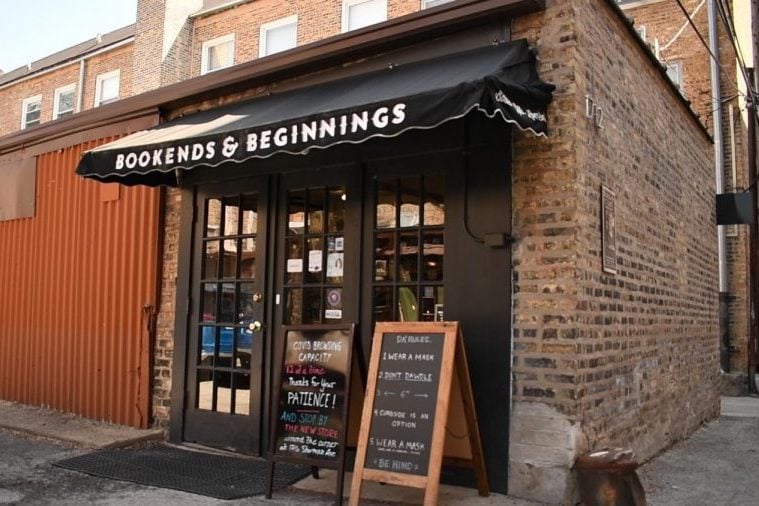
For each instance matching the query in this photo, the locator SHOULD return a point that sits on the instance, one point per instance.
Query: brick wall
(662, 20)
(148, 42)
(316, 21)
(545, 433)
(736, 180)
(164, 346)
(630, 359)
(45, 84)
(121, 59)
(163, 42)
(12, 97)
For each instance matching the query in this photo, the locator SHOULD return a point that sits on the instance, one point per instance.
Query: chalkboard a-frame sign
(311, 402)
(406, 408)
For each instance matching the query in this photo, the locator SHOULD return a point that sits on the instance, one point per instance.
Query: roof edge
(331, 51)
(217, 8)
(68, 55)
(630, 25)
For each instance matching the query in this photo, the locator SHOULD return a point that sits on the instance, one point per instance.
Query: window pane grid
(408, 249)
(227, 304)
(314, 245)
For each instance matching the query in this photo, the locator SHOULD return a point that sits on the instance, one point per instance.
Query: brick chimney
(163, 42)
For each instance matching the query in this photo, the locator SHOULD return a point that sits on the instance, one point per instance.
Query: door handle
(255, 326)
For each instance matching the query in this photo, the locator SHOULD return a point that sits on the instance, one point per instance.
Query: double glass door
(291, 250)
(262, 259)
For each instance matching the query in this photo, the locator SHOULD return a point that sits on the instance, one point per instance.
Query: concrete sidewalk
(70, 428)
(28, 467)
(715, 466)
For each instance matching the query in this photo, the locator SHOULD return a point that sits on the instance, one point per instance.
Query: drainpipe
(80, 87)
(753, 240)
(754, 248)
(719, 173)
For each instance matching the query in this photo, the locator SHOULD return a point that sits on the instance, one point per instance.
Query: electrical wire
(706, 45)
(682, 28)
(733, 36)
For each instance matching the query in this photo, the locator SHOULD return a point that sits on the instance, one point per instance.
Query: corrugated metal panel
(73, 283)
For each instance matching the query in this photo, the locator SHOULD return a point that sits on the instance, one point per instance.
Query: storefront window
(228, 296)
(409, 249)
(315, 245)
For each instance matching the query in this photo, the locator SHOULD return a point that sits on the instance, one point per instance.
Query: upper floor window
(361, 13)
(107, 87)
(278, 35)
(675, 73)
(65, 101)
(217, 53)
(426, 4)
(31, 109)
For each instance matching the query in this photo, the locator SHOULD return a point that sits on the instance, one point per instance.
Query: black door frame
(488, 155)
(239, 432)
(348, 175)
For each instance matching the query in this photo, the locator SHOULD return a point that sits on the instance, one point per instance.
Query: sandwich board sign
(309, 422)
(406, 408)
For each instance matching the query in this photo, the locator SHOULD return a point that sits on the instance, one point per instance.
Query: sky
(33, 29)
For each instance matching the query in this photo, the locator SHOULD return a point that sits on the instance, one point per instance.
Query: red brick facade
(662, 23)
(316, 21)
(46, 82)
(601, 360)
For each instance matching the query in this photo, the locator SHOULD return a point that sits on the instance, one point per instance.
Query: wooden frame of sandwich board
(419, 358)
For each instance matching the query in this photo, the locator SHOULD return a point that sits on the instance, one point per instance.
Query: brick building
(582, 265)
(676, 43)
(90, 74)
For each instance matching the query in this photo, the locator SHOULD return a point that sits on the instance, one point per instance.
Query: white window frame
(24, 106)
(347, 4)
(425, 3)
(677, 67)
(277, 23)
(57, 99)
(207, 45)
(99, 85)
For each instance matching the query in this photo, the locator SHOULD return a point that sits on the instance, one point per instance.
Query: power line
(682, 28)
(706, 45)
(733, 36)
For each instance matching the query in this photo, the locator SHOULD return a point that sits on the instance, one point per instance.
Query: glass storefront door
(224, 370)
(322, 265)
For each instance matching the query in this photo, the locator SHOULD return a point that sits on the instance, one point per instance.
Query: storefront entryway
(403, 235)
(226, 342)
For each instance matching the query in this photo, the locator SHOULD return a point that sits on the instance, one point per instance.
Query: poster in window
(608, 231)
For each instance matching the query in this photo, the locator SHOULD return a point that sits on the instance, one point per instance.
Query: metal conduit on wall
(75, 278)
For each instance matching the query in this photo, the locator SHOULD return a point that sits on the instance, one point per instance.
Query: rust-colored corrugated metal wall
(73, 283)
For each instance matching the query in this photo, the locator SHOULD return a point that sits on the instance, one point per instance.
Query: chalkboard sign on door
(309, 421)
(407, 405)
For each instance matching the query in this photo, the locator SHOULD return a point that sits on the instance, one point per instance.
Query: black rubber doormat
(161, 466)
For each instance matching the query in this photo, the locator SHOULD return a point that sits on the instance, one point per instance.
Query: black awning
(498, 81)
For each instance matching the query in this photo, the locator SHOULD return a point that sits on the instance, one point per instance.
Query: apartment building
(526, 168)
(93, 73)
